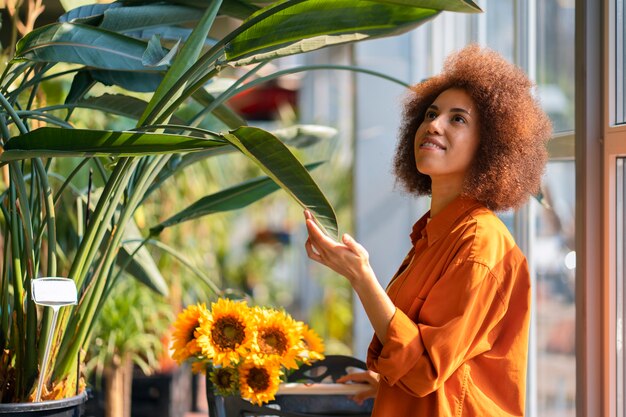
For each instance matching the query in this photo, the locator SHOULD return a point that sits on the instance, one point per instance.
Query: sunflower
(184, 341)
(225, 380)
(277, 337)
(313, 344)
(227, 335)
(258, 382)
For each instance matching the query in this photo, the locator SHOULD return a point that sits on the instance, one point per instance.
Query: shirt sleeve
(455, 323)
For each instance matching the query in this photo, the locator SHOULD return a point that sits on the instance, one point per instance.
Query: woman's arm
(351, 260)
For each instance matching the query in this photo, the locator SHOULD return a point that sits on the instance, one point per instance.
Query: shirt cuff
(401, 350)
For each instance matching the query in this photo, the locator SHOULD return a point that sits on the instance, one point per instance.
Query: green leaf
(142, 265)
(119, 104)
(296, 26)
(239, 9)
(275, 159)
(188, 55)
(82, 44)
(90, 14)
(463, 6)
(299, 136)
(232, 198)
(155, 55)
(82, 82)
(122, 19)
(141, 82)
(52, 142)
(167, 34)
(224, 113)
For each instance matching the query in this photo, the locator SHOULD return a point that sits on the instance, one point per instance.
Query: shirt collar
(442, 222)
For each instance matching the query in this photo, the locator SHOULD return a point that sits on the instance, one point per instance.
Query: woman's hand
(352, 261)
(347, 258)
(371, 378)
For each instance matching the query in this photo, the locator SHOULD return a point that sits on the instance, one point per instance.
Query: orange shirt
(457, 343)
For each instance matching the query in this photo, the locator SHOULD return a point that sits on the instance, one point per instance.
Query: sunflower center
(224, 378)
(258, 379)
(192, 330)
(228, 332)
(273, 341)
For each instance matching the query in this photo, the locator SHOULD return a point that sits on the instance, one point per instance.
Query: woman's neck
(442, 195)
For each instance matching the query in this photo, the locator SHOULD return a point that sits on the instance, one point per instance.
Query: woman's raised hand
(347, 258)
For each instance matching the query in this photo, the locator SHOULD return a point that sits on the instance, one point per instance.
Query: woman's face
(447, 139)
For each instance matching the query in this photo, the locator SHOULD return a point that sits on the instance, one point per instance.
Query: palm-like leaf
(82, 44)
(280, 165)
(232, 198)
(51, 142)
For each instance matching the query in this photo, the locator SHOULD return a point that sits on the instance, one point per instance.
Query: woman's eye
(431, 115)
(458, 119)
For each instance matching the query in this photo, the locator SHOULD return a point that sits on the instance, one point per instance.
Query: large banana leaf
(89, 14)
(299, 136)
(239, 9)
(121, 19)
(295, 26)
(232, 198)
(85, 45)
(52, 142)
(275, 159)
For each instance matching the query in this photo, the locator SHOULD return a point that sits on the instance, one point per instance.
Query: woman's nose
(434, 125)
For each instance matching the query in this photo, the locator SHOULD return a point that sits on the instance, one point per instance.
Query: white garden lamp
(52, 292)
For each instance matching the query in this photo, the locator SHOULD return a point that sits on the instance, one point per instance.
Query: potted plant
(121, 44)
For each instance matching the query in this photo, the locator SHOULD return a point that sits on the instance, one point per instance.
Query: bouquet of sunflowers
(247, 351)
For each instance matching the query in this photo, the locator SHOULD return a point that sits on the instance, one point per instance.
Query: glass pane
(500, 16)
(555, 61)
(620, 52)
(620, 238)
(554, 262)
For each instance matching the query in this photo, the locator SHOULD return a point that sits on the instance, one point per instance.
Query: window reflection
(554, 262)
(555, 61)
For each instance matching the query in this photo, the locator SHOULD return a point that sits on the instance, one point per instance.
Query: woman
(451, 330)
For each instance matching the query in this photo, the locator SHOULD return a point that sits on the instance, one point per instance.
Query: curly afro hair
(511, 155)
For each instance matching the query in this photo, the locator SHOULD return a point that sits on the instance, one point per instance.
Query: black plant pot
(67, 407)
(287, 406)
(166, 394)
(330, 368)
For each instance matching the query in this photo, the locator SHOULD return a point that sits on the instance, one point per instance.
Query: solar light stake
(52, 292)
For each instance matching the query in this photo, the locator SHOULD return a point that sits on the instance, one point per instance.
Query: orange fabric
(457, 344)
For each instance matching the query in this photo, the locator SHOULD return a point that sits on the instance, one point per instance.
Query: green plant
(127, 333)
(120, 44)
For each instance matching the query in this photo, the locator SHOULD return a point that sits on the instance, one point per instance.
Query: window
(620, 294)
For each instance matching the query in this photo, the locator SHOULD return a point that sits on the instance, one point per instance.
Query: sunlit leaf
(275, 159)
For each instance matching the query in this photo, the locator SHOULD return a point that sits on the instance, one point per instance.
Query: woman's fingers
(354, 246)
(311, 251)
(370, 378)
(355, 377)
